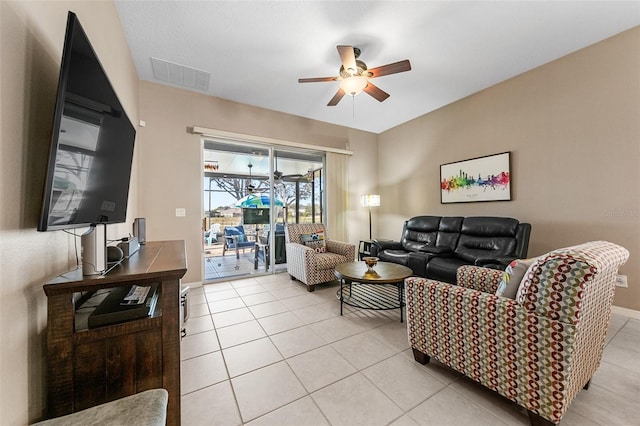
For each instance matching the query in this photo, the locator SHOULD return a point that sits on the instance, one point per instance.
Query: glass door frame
(271, 149)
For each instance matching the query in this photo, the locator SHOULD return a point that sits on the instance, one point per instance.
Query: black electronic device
(114, 254)
(115, 308)
(91, 149)
(255, 216)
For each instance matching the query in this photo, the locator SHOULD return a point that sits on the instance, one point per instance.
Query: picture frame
(477, 179)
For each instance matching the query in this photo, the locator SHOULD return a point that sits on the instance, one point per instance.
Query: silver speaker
(94, 250)
(140, 229)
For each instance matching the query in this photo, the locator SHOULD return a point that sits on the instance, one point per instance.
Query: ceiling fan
(355, 76)
(278, 175)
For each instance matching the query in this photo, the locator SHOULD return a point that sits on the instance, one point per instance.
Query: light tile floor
(264, 351)
(217, 266)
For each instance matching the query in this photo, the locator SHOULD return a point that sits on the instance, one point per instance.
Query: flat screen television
(92, 141)
(255, 216)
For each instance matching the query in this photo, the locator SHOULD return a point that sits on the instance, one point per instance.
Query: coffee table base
(377, 297)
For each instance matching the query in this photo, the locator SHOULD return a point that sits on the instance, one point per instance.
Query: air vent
(180, 75)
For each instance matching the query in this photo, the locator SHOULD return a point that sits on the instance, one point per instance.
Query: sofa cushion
(314, 240)
(447, 239)
(419, 232)
(424, 223)
(412, 245)
(490, 226)
(472, 247)
(328, 260)
(449, 232)
(450, 224)
(512, 277)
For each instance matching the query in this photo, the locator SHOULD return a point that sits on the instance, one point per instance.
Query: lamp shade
(371, 200)
(353, 85)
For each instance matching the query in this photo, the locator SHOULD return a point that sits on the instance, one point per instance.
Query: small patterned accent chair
(538, 350)
(307, 264)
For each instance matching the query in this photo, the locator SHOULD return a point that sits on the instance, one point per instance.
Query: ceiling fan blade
(376, 92)
(336, 98)
(348, 58)
(394, 68)
(316, 79)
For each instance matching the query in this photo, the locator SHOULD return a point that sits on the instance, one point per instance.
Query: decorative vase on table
(371, 262)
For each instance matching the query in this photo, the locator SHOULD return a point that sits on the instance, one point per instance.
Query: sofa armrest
(477, 278)
(345, 249)
(378, 245)
(499, 262)
(439, 251)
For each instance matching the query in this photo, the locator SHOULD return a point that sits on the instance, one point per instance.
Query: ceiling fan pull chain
(353, 107)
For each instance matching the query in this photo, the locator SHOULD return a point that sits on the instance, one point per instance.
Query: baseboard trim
(625, 312)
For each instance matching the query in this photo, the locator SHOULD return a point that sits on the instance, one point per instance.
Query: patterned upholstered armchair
(311, 258)
(538, 350)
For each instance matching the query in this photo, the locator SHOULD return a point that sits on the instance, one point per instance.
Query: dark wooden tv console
(87, 367)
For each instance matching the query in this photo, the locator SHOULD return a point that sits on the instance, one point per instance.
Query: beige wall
(573, 129)
(32, 35)
(170, 156)
(363, 179)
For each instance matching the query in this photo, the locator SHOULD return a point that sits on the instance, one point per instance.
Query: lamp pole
(370, 200)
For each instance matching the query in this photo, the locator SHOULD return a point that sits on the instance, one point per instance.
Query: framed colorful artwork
(477, 179)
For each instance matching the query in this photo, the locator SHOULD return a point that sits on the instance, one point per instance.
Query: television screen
(92, 142)
(255, 216)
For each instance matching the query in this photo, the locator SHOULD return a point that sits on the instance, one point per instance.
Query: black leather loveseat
(435, 246)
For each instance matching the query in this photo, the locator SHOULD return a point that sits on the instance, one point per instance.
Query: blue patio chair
(236, 239)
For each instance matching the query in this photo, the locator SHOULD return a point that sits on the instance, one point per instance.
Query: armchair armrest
(298, 249)
(298, 254)
(478, 278)
(345, 249)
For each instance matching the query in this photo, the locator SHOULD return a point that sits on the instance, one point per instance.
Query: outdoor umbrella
(257, 201)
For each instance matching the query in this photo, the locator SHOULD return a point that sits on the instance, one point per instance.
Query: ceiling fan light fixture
(353, 85)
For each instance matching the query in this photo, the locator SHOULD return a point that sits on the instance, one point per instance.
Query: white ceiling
(255, 51)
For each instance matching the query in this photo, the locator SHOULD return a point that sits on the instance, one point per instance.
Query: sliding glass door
(250, 192)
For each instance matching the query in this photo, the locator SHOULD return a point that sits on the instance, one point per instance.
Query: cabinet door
(88, 375)
(107, 369)
(115, 367)
(149, 360)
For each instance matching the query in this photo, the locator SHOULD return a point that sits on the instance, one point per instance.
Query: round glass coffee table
(382, 289)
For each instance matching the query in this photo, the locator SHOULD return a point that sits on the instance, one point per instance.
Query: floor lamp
(370, 200)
